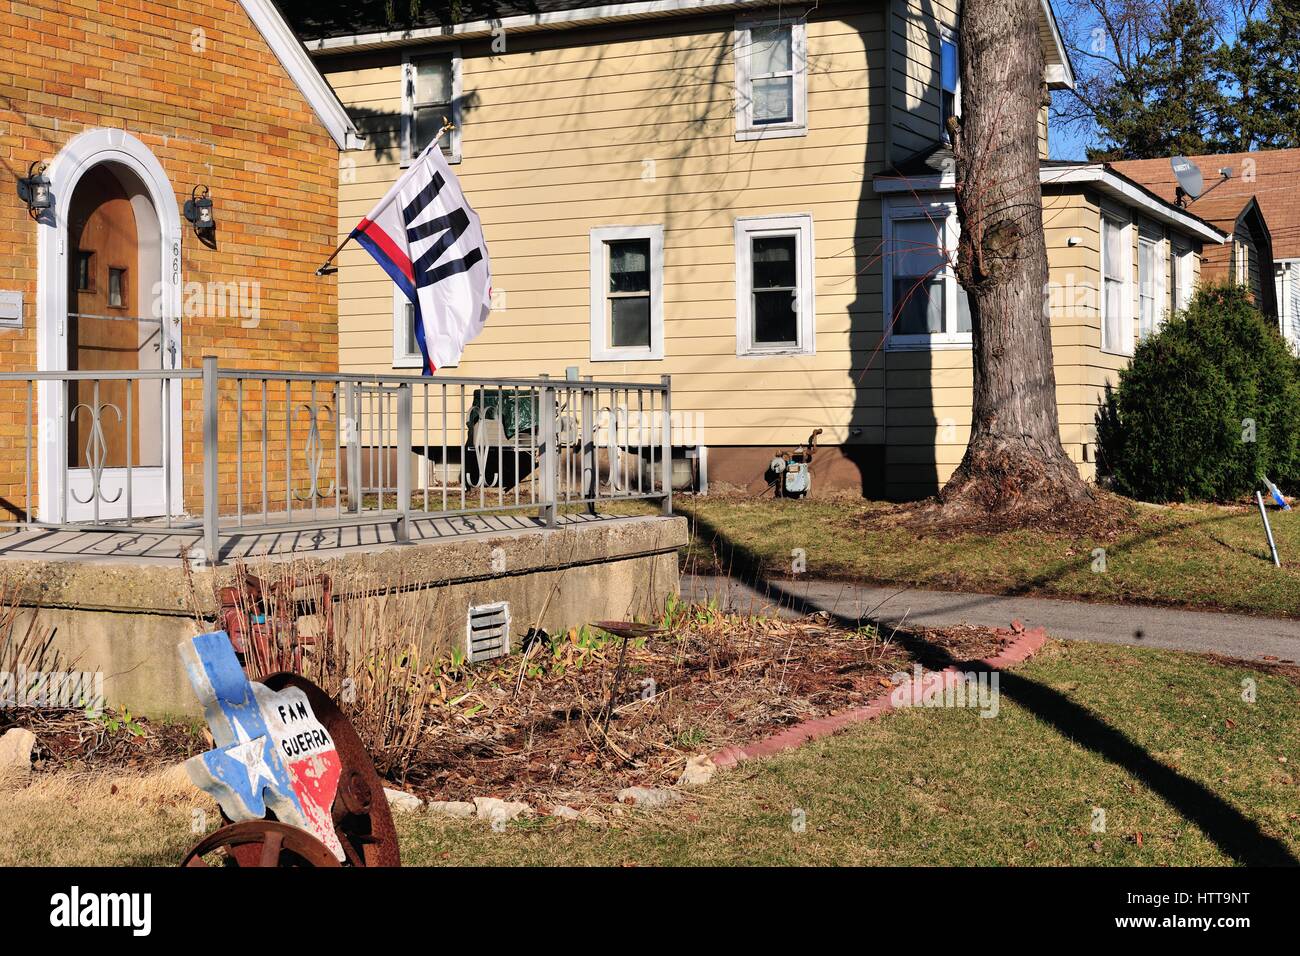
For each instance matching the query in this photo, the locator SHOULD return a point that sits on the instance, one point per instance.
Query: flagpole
(447, 126)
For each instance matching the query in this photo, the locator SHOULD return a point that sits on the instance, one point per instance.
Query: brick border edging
(1024, 645)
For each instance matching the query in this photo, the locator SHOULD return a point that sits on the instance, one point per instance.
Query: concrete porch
(120, 602)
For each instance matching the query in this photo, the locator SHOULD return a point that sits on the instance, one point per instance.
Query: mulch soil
(710, 683)
(69, 740)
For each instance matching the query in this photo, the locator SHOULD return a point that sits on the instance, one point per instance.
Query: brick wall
(196, 83)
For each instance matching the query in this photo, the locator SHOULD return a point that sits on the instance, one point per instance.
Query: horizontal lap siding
(914, 75)
(556, 141)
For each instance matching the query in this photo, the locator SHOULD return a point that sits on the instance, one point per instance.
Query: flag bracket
(327, 267)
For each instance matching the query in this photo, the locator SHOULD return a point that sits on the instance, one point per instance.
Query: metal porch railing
(216, 454)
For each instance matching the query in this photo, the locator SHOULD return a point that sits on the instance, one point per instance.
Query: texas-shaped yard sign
(271, 751)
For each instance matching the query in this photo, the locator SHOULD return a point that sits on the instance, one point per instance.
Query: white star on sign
(252, 756)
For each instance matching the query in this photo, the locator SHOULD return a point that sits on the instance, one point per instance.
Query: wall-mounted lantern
(34, 189)
(198, 210)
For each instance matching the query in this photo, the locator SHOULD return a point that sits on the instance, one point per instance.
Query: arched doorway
(109, 302)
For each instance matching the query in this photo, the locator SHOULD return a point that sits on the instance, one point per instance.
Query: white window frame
(798, 125)
(946, 36)
(601, 236)
(401, 357)
(1159, 297)
(409, 61)
(1183, 276)
(1126, 270)
(748, 228)
(1241, 262)
(945, 213)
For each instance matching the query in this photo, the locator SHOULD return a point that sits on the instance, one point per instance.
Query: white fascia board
(1109, 183)
(644, 9)
(1059, 75)
(913, 184)
(303, 72)
(1102, 179)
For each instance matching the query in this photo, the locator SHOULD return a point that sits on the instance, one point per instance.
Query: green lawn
(1162, 742)
(1193, 556)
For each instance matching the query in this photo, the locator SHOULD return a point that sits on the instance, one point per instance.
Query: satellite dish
(1188, 175)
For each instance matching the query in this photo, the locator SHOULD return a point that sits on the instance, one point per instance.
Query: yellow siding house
(745, 196)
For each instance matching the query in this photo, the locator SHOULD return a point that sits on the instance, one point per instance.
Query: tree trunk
(1014, 461)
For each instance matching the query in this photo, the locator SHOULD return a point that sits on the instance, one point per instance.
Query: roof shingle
(1274, 182)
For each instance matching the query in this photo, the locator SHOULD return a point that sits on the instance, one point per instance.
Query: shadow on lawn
(748, 567)
(1223, 824)
(1152, 534)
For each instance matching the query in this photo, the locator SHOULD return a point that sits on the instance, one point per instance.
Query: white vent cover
(487, 631)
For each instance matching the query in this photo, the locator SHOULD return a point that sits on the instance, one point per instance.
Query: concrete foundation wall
(126, 619)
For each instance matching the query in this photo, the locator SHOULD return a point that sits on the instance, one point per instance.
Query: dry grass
(101, 819)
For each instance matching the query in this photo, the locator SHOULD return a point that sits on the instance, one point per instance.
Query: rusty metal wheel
(257, 843)
(362, 818)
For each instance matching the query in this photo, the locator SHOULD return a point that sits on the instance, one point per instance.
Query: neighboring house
(743, 195)
(1258, 203)
(1120, 259)
(131, 109)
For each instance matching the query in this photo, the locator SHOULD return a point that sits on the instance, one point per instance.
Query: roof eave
(1109, 182)
(526, 23)
(1059, 75)
(1104, 180)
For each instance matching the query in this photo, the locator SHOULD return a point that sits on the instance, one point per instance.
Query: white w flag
(430, 242)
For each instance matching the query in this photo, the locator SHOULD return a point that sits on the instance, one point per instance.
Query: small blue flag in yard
(1277, 495)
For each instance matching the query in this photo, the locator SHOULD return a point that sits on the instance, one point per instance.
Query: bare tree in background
(1161, 77)
(1014, 463)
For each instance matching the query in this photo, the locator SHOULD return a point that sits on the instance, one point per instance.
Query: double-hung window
(1241, 262)
(775, 305)
(430, 94)
(1180, 289)
(627, 289)
(1151, 269)
(771, 77)
(925, 306)
(1116, 297)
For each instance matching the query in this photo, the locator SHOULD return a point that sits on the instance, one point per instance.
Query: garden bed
(572, 718)
(540, 727)
(70, 740)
